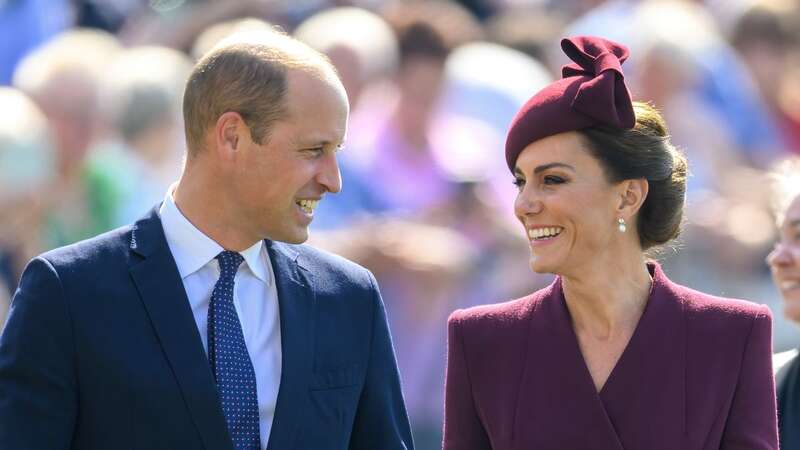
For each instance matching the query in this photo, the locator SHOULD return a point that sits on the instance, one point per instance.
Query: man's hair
(246, 73)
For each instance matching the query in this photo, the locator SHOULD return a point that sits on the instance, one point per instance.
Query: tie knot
(229, 263)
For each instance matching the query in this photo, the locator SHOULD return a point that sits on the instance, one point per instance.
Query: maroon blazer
(696, 375)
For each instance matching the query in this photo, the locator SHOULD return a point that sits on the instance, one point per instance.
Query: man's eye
(552, 179)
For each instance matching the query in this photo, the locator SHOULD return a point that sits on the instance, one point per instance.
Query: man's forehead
(309, 93)
(314, 80)
(318, 113)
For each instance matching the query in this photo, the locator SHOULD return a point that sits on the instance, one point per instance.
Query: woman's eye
(552, 179)
(519, 182)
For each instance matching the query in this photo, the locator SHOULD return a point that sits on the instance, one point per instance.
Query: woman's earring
(622, 227)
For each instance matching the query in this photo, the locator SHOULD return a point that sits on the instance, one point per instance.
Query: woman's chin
(539, 265)
(791, 310)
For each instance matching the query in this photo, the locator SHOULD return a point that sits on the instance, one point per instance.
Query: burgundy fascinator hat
(591, 92)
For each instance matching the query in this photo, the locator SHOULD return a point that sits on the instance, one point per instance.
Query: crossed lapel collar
(643, 402)
(161, 289)
(645, 395)
(558, 404)
(296, 303)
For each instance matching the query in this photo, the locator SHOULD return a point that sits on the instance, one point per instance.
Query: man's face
(279, 182)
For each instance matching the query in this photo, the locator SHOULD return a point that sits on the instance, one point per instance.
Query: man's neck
(205, 207)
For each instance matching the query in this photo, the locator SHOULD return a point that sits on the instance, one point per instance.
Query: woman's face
(784, 259)
(565, 203)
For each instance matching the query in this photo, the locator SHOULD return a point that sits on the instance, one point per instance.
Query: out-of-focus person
(213, 34)
(358, 42)
(721, 85)
(63, 77)
(392, 142)
(530, 29)
(612, 354)
(27, 175)
(767, 37)
(784, 262)
(145, 143)
(425, 272)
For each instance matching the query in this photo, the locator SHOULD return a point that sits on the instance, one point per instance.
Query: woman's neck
(609, 300)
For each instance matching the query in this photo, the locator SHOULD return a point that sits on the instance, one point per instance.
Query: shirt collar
(192, 249)
(257, 259)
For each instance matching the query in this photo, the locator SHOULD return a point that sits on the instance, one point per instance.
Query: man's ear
(632, 194)
(229, 133)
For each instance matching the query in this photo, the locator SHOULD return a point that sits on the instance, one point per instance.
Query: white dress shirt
(255, 298)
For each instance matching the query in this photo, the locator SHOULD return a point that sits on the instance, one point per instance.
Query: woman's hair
(645, 152)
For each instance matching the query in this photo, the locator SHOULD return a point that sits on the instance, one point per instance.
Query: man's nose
(329, 175)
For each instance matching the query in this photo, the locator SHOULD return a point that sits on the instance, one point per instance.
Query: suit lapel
(296, 303)
(558, 404)
(645, 394)
(161, 290)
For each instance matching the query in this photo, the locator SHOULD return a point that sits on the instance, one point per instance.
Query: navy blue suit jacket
(101, 351)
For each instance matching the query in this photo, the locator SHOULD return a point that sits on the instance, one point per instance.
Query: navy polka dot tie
(230, 362)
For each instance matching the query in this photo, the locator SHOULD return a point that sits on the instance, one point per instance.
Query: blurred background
(91, 135)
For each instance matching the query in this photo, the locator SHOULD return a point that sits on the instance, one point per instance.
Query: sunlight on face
(280, 182)
(784, 259)
(565, 204)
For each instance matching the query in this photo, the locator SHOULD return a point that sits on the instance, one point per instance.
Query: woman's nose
(781, 255)
(527, 203)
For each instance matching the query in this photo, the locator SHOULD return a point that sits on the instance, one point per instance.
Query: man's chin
(295, 237)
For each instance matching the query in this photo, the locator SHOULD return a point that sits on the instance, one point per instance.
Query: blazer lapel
(558, 404)
(161, 290)
(296, 303)
(645, 395)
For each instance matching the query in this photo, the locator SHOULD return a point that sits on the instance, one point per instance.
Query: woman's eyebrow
(544, 167)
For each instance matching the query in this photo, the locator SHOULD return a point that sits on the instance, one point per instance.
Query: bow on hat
(604, 96)
(592, 92)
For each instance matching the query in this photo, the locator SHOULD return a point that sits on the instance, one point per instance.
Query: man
(198, 327)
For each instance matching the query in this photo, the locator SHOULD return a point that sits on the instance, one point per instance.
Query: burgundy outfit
(696, 375)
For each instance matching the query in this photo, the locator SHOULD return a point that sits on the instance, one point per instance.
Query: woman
(612, 355)
(784, 261)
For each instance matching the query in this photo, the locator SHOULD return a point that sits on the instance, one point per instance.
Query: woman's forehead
(568, 148)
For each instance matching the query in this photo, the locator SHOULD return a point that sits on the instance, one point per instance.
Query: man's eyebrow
(313, 143)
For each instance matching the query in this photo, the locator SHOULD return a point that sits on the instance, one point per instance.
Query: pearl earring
(622, 227)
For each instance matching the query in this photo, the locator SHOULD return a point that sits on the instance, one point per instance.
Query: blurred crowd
(91, 135)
